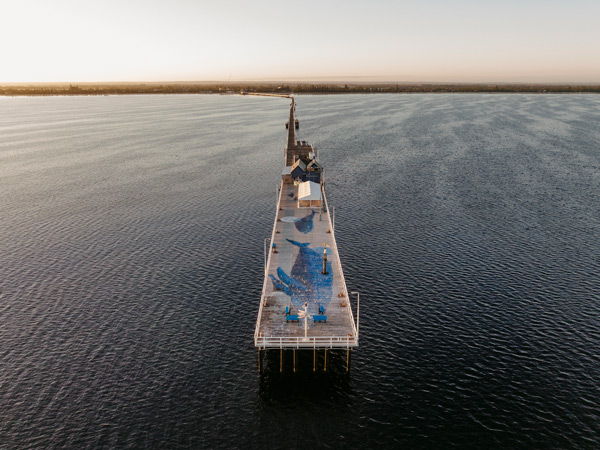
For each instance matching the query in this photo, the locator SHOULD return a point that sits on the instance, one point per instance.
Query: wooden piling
(347, 360)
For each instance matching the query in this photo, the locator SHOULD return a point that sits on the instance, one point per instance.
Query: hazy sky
(194, 40)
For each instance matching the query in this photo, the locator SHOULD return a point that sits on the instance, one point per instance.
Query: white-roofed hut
(309, 194)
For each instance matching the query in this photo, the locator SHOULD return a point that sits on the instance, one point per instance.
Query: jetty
(305, 304)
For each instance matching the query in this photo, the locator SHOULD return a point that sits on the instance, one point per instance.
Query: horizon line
(302, 80)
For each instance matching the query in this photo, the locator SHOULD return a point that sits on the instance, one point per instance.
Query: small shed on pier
(309, 194)
(298, 169)
(286, 174)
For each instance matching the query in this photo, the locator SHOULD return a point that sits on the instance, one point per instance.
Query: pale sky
(376, 40)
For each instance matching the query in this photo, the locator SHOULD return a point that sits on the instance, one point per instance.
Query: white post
(265, 255)
(322, 201)
(333, 219)
(357, 309)
(305, 321)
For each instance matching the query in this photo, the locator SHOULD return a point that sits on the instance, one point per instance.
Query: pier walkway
(294, 282)
(304, 302)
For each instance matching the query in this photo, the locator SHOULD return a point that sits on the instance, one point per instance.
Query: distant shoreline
(54, 89)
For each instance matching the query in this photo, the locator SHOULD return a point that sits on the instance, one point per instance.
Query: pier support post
(294, 360)
(280, 360)
(258, 359)
(314, 359)
(325, 366)
(347, 360)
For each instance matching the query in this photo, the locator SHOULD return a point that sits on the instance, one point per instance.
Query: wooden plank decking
(294, 277)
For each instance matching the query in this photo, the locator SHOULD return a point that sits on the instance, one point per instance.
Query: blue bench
(321, 309)
(320, 318)
(292, 318)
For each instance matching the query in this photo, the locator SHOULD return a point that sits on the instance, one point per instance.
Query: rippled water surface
(131, 237)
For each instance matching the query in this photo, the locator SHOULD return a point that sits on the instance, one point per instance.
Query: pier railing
(339, 342)
(339, 264)
(266, 279)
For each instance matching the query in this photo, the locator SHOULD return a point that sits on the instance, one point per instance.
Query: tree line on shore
(296, 88)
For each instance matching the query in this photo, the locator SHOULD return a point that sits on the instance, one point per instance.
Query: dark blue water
(131, 236)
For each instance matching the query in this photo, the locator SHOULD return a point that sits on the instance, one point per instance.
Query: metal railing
(339, 264)
(264, 288)
(309, 342)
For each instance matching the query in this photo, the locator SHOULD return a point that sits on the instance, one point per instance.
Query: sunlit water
(131, 237)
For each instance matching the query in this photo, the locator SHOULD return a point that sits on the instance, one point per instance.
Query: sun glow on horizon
(182, 40)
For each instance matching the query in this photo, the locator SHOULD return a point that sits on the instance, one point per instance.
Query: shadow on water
(289, 403)
(313, 380)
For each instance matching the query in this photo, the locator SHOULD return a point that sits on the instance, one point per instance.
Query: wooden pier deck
(304, 302)
(294, 280)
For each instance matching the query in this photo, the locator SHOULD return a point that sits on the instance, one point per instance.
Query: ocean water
(131, 252)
